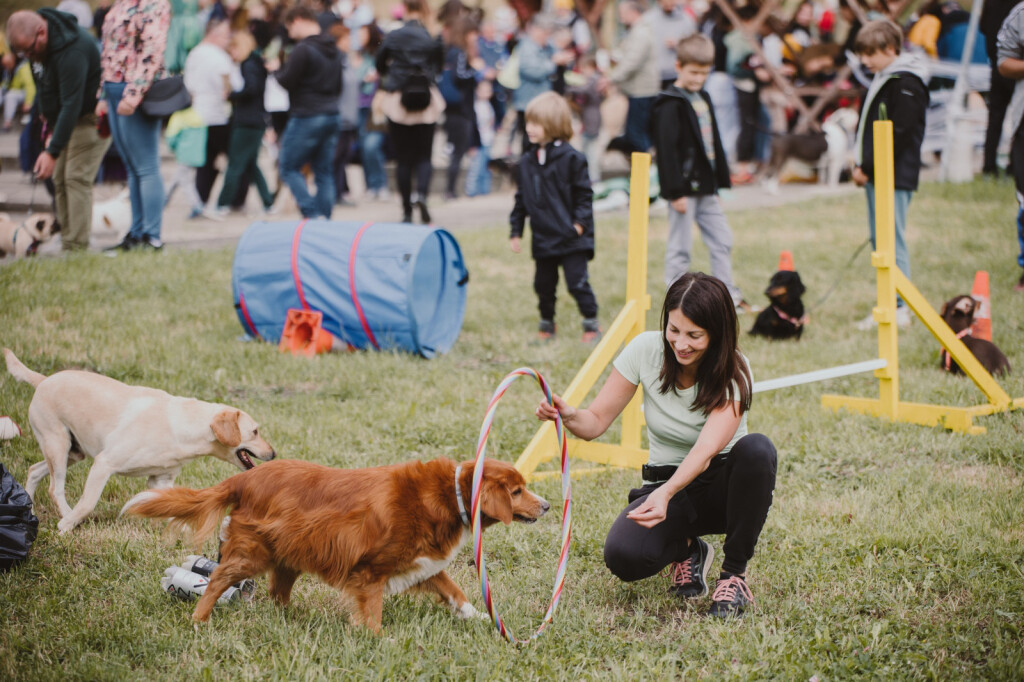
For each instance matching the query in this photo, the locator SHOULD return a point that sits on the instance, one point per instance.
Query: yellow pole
(636, 279)
(884, 259)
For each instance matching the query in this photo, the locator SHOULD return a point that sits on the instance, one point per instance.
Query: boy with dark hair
(898, 93)
(692, 166)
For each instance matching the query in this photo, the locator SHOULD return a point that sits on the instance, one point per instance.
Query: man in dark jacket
(67, 79)
(312, 77)
(897, 93)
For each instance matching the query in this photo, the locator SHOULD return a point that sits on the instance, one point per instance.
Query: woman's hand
(547, 412)
(125, 109)
(652, 511)
(101, 107)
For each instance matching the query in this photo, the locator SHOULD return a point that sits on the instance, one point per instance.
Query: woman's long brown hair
(706, 302)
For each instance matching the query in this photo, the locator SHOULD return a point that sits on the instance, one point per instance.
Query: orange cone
(786, 261)
(304, 334)
(982, 326)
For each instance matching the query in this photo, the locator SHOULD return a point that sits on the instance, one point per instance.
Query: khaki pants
(73, 178)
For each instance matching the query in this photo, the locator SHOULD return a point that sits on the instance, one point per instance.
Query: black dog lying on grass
(785, 317)
(958, 312)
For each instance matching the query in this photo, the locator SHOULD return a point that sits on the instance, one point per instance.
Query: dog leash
(478, 471)
(839, 279)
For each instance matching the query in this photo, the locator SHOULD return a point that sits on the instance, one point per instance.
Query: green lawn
(891, 551)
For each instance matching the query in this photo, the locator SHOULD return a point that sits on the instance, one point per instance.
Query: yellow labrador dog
(128, 430)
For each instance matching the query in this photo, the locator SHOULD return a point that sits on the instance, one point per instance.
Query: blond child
(554, 193)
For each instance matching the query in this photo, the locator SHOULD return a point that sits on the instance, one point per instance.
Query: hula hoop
(478, 471)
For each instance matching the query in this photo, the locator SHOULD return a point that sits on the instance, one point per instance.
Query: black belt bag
(657, 474)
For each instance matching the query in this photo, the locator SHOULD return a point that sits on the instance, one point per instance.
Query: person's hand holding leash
(44, 166)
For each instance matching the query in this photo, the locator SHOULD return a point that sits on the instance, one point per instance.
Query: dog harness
(32, 248)
(458, 497)
(796, 322)
(947, 359)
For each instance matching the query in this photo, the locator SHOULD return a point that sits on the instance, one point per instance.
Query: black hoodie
(312, 77)
(555, 196)
(684, 169)
(70, 76)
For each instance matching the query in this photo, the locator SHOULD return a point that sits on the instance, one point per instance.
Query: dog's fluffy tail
(201, 510)
(20, 371)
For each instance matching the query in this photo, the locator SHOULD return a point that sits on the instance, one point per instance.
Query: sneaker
(741, 178)
(689, 577)
(127, 244)
(273, 209)
(745, 307)
(214, 214)
(591, 331)
(546, 332)
(731, 598)
(222, 211)
(903, 319)
(195, 213)
(151, 244)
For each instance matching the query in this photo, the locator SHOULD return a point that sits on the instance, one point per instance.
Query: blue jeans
(137, 138)
(371, 146)
(478, 175)
(311, 140)
(901, 201)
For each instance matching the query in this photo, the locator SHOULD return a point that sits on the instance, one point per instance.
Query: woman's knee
(755, 450)
(623, 562)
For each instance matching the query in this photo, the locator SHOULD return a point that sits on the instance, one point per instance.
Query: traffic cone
(304, 334)
(786, 261)
(981, 328)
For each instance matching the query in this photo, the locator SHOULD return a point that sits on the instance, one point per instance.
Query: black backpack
(416, 90)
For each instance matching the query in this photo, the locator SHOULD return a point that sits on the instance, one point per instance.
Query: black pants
(999, 95)
(545, 280)
(732, 497)
(218, 139)
(461, 132)
(413, 145)
(343, 155)
(749, 105)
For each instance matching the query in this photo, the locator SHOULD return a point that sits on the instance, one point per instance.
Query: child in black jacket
(692, 166)
(554, 192)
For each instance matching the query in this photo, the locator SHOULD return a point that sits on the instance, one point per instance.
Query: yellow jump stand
(890, 283)
(630, 321)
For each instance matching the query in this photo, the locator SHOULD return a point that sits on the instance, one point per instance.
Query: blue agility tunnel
(378, 285)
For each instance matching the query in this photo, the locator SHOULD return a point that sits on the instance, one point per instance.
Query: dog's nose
(272, 455)
(544, 506)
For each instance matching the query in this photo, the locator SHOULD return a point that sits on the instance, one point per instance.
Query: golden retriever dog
(127, 430)
(367, 532)
(20, 240)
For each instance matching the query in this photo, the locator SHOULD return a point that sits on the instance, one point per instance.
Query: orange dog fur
(367, 532)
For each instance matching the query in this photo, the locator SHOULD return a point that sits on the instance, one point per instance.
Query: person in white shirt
(208, 73)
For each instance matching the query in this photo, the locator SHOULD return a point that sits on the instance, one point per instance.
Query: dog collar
(796, 322)
(947, 359)
(458, 497)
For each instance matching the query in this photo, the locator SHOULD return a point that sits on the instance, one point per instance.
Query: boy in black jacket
(554, 192)
(899, 87)
(692, 166)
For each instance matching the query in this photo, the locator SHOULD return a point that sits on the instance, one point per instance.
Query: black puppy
(958, 312)
(784, 318)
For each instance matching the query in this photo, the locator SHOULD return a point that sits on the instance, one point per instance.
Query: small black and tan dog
(958, 312)
(785, 317)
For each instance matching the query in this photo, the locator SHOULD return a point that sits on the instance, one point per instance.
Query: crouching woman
(706, 475)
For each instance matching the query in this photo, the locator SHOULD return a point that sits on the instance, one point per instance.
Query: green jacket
(70, 76)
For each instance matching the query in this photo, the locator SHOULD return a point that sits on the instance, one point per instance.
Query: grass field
(891, 551)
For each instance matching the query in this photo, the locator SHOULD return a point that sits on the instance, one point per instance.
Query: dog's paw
(65, 525)
(467, 611)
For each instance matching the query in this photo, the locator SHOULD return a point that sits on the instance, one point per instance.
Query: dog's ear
(496, 502)
(225, 428)
(56, 226)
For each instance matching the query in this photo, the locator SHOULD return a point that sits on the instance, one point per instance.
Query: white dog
(113, 214)
(20, 240)
(128, 430)
(840, 130)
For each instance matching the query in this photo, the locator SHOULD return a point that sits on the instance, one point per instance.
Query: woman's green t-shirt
(672, 424)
